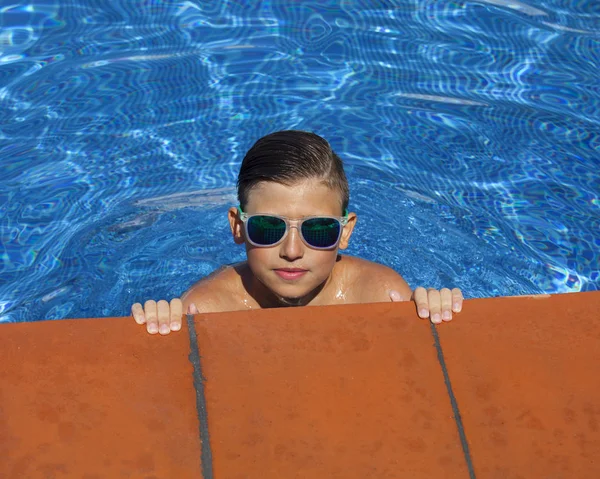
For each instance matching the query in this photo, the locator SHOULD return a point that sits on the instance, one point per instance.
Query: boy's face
(274, 266)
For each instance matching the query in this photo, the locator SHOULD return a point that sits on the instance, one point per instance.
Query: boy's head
(292, 175)
(288, 157)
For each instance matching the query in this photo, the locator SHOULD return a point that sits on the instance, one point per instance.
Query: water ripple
(122, 129)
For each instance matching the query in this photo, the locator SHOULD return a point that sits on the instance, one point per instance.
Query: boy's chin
(292, 295)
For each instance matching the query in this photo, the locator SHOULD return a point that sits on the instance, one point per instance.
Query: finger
(176, 314)
(457, 300)
(446, 301)
(193, 309)
(138, 313)
(151, 316)
(420, 299)
(433, 296)
(395, 295)
(164, 317)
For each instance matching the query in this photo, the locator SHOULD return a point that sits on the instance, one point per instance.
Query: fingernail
(164, 329)
(436, 318)
(423, 313)
(446, 315)
(152, 328)
(175, 327)
(457, 307)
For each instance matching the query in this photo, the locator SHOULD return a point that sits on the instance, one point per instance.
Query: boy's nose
(292, 247)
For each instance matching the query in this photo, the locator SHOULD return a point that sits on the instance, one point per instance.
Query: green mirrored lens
(321, 232)
(265, 230)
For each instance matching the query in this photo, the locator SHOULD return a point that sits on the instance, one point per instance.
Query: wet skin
(292, 273)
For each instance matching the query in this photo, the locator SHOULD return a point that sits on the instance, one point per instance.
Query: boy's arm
(380, 284)
(210, 294)
(205, 297)
(383, 284)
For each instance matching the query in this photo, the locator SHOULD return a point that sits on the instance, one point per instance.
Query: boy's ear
(347, 231)
(236, 225)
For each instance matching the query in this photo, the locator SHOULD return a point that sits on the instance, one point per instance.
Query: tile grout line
(453, 403)
(194, 357)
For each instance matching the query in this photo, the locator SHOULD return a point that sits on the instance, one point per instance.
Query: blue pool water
(474, 124)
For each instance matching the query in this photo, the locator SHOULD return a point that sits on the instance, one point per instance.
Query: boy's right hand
(161, 317)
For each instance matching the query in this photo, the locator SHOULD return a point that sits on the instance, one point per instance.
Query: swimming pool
(123, 124)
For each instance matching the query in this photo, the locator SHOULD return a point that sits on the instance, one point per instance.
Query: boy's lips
(290, 273)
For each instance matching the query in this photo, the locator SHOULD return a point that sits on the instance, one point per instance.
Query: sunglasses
(318, 232)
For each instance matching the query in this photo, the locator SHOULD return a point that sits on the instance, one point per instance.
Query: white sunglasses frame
(244, 217)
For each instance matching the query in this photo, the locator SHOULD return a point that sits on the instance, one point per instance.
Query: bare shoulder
(373, 281)
(217, 292)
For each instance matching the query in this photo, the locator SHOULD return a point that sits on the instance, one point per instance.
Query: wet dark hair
(289, 156)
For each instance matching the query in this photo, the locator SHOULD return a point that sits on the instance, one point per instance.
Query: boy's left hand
(435, 304)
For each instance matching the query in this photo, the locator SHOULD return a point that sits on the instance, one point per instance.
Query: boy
(292, 218)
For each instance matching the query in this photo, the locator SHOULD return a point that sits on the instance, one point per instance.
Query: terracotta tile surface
(525, 373)
(338, 392)
(96, 399)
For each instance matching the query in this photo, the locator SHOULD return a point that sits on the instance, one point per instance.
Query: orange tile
(349, 391)
(525, 375)
(334, 392)
(96, 399)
